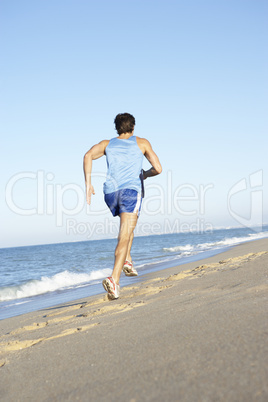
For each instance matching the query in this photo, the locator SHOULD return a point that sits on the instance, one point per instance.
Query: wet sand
(197, 332)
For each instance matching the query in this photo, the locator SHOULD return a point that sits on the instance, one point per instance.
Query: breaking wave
(228, 242)
(62, 280)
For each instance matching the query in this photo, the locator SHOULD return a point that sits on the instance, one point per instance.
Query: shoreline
(51, 299)
(18, 307)
(210, 256)
(194, 332)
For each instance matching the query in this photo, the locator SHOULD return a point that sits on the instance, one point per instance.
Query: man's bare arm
(96, 152)
(151, 156)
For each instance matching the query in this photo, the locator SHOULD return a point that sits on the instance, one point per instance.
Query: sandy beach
(197, 332)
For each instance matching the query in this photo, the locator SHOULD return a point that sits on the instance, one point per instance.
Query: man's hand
(144, 174)
(151, 172)
(90, 190)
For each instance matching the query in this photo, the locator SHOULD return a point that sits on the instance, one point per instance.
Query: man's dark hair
(124, 123)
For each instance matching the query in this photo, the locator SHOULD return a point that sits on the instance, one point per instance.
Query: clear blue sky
(194, 75)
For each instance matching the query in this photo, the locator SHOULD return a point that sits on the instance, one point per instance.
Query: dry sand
(197, 332)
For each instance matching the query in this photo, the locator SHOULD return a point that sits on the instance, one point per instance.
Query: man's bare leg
(128, 222)
(128, 257)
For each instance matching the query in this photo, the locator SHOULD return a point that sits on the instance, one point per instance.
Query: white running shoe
(111, 287)
(129, 270)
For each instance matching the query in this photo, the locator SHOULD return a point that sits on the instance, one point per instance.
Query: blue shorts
(123, 201)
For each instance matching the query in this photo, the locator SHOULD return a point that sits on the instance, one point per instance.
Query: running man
(122, 189)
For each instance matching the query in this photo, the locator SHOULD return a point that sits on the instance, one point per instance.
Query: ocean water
(37, 277)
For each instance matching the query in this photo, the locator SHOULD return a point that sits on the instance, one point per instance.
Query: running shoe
(111, 287)
(128, 269)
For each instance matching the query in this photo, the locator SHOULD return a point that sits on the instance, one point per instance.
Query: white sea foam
(62, 280)
(188, 247)
(231, 241)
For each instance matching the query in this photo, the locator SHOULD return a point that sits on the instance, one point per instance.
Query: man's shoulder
(104, 143)
(143, 144)
(142, 140)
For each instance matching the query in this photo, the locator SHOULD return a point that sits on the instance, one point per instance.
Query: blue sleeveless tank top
(124, 163)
